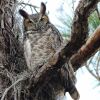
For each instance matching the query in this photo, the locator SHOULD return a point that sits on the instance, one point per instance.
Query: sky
(54, 8)
(86, 84)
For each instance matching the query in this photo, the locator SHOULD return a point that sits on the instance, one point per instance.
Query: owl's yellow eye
(30, 21)
(41, 19)
(45, 18)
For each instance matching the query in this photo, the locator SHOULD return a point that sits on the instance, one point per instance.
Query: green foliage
(65, 29)
(93, 21)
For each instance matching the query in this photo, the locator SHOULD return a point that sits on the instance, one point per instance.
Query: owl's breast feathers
(43, 45)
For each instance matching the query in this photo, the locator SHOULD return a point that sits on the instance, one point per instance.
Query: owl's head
(35, 22)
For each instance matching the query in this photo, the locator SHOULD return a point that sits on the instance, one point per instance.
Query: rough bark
(12, 60)
(87, 50)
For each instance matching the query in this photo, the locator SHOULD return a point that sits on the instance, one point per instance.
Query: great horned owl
(41, 38)
(41, 41)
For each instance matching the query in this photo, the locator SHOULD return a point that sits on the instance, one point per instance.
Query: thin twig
(73, 7)
(23, 2)
(87, 66)
(97, 69)
(98, 13)
(6, 91)
(26, 4)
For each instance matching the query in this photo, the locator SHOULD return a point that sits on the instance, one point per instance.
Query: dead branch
(87, 50)
(27, 4)
(6, 91)
(91, 72)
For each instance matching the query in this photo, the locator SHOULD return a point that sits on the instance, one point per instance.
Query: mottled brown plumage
(41, 38)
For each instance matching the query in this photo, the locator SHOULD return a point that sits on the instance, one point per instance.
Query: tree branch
(87, 50)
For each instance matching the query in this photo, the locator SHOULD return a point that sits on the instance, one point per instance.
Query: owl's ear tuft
(23, 13)
(42, 9)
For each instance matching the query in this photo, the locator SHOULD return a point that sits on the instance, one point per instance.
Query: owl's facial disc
(36, 21)
(29, 24)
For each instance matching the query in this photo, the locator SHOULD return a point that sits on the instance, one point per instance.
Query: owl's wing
(56, 37)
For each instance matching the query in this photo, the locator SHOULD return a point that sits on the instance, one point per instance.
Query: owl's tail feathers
(71, 89)
(74, 93)
(68, 81)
